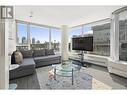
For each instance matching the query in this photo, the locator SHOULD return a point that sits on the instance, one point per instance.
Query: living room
(43, 49)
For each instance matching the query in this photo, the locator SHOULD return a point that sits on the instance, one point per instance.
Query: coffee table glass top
(66, 68)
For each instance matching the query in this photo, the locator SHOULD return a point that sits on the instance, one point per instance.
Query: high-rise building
(33, 40)
(23, 40)
(38, 42)
(101, 41)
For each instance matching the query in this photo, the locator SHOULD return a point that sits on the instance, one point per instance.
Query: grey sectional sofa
(32, 59)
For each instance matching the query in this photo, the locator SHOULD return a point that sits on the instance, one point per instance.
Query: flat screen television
(82, 43)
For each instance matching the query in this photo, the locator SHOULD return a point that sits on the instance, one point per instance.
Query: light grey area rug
(81, 81)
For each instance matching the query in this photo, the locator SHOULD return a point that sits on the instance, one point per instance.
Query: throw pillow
(50, 52)
(27, 53)
(18, 57)
(13, 58)
(38, 53)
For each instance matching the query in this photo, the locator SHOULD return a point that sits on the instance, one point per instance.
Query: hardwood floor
(27, 82)
(98, 72)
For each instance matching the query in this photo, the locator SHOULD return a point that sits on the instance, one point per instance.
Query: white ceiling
(64, 15)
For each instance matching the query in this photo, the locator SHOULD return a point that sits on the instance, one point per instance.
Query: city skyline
(34, 41)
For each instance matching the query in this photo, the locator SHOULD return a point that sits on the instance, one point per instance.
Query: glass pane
(123, 36)
(87, 30)
(55, 39)
(39, 37)
(101, 38)
(21, 33)
(77, 31)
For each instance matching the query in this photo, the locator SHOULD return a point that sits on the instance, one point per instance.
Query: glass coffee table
(66, 69)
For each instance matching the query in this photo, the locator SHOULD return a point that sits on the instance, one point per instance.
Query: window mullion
(50, 38)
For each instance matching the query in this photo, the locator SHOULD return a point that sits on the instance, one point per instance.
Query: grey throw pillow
(38, 53)
(27, 53)
(50, 52)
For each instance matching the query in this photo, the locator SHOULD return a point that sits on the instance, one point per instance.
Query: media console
(80, 60)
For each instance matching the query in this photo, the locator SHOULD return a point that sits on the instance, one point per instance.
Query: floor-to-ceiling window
(36, 37)
(22, 34)
(123, 36)
(100, 31)
(55, 39)
(101, 39)
(39, 37)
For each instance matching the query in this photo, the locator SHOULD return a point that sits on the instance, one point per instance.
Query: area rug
(81, 81)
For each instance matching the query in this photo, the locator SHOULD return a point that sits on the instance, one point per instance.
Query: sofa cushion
(28, 62)
(47, 58)
(49, 52)
(27, 53)
(38, 53)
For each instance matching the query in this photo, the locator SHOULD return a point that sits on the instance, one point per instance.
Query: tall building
(101, 41)
(38, 42)
(24, 40)
(123, 39)
(33, 40)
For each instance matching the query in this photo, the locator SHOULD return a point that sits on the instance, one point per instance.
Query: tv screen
(82, 43)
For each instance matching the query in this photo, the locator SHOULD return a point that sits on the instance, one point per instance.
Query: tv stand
(80, 60)
(84, 64)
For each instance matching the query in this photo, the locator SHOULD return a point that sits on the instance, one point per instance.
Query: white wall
(7, 45)
(12, 36)
(4, 66)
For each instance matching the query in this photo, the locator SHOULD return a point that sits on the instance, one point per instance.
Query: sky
(22, 31)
